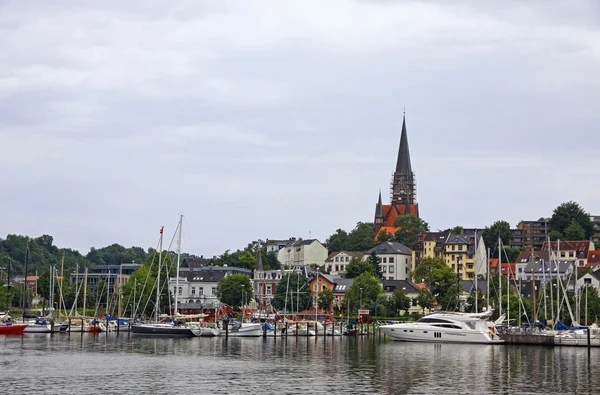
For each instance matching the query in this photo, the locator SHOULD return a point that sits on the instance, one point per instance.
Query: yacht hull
(156, 330)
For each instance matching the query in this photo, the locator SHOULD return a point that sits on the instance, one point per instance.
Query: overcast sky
(272, 119)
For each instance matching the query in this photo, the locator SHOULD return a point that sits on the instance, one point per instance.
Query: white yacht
(445, 328)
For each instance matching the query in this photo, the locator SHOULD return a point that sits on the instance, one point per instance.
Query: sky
(277, 119)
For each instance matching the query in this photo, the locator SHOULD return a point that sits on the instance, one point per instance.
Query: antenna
(309, 234)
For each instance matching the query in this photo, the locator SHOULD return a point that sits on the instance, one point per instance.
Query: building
(459, 254)
(571, 250)
(410, 289)
(395, 260)
(530, 235)
(428, 245)
(113, 275)
(276, 245)
(321, 282)
(403, 190)
(341, 286)
(301, 252)
(596, 221)
(337, 261)
(544, 266)
(589, 279)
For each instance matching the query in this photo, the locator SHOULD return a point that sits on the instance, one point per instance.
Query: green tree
(233, 289)
(325, 299)
(362, 237)
(410, 227)
(271, 262)
(555, 235)
(384, 236)
(43, 286)
(511, 254)
(564, 215)
(364, 292)
(441, 281)
(498, 230)
(425, 299)
(292, 293)
(398, 302)
(574, 231)
(338, 241)
(374, 261)
(457, 230)
(357, 266)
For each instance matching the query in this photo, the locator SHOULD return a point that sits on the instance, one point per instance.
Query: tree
(337, 241)
(362, 237)
(398, 302)
(363, 293)
(574, 231)
(234, 289)
(325, 299)
(384, 236)
(457, 230)
(555, 235)
(292, 291)
(564, 215)
(511, 254)
(43, 286)
(374, 261)
(441, 280)
(410, 227)
(425, 299)
(498, 230)
(357, 266)
(271, 262)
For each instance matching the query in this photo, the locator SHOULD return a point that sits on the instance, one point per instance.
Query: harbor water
(124, 364)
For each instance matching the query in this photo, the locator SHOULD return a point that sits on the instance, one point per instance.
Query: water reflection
(122, 363)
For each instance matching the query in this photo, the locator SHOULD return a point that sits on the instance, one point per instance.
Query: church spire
(379, 207)
(403, 165)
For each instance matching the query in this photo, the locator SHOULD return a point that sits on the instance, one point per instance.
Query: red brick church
(403, 191)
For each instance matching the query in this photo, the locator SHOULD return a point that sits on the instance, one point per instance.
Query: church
(403, 190)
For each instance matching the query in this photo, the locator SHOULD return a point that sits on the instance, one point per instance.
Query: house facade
(571, 250)
(459, 254)
(337, 262)
(395, 260)
(428, 245)
(301, 252)
(410, 289)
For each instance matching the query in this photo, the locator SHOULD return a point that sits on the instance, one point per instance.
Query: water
(125, 364)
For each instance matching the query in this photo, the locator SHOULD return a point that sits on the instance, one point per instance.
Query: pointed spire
(379, 207)
(403, 165)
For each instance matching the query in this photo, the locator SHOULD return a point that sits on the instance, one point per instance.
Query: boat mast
(84, 288)
(60, 298)
(158, 276)
(551, 283)
(476, 269)
(499, 279)
(177, 271)
(533, 285)
(487, 277)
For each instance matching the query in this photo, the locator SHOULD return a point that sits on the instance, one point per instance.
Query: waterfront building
(403, 190)
(395, 260)
(459, 254)
(428, 245)
(113, 275)
(309, 252)
(342, 285)
(411, 290)
(571, 250)
(321, 282)
(337, 262)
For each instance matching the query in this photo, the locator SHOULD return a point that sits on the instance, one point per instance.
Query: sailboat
(165, 328)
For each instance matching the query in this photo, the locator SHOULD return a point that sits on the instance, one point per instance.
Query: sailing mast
(533, 285)
(499, 279)
(487, 277)
(476, 272)
(156, 307)
(84, 288)
(177, 272)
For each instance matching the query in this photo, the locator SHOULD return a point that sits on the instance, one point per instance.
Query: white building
(395, 260)
(337, 262)
(303, 252)
(589, 279)
(276, 245)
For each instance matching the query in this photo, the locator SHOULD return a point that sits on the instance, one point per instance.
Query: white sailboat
(169, 328)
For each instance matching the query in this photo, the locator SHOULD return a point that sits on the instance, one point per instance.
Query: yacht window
(426, 319)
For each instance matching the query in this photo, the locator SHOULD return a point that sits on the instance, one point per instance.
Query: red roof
(582, 246)
(493, 263)
(593, 257)
(391, 212)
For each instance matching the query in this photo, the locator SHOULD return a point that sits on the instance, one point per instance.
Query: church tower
(403, 190)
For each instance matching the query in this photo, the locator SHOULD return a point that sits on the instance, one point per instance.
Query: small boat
(242, 329)
(39, 325)
(164, 329)
(445, 328)
(8, 328)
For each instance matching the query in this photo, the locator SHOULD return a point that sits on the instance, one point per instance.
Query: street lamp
(360, 298)
(243, 287)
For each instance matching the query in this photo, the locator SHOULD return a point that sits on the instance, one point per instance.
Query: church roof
(379, 207)
(403, 165)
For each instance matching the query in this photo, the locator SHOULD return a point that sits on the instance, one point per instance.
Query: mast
(499, 279)
(476, 268)
(487, 278)
(533, 286)
(60, 298)
(24, 299)
(178, 258)
(120, 302)
(84, 288)
(156, 307)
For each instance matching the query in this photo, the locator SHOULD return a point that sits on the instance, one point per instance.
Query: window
(453, 247)
(571, 254)
(453, 257)
(384, 269)
(469, 266)
(200, 291)
(193, 290)
(214, 291)
(391, 269)
(562, 254)
(347, 259)
(460, 247)
(391, 260)
(180, 290)
(384, 260)
(337, 268)
(337, 259)
(269, 290)
(581, 263)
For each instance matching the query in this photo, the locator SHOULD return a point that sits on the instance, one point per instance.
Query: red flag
(161, 229)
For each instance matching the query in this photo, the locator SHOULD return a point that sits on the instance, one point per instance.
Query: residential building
(276, 245)
(428, 245)
(395, 260)
(411, 290)
(342, 285)
(596, 221)
(403, 190)
(590, 279)
(301, 252)
(113, 275)
(337, 261)
(321, 282)
(593, 259)
(530, 234)
(571, 250)
(459, 254)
